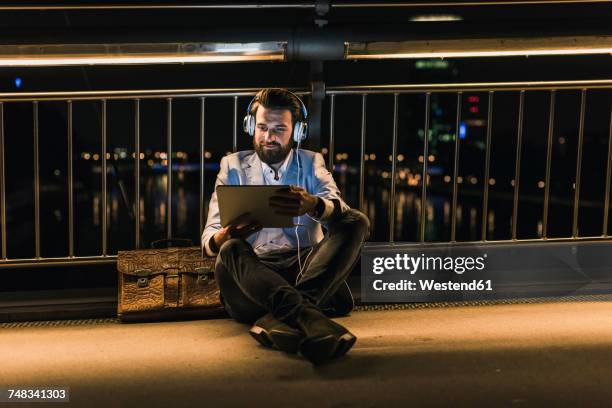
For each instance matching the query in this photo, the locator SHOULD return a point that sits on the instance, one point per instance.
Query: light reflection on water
(185, 209)
(438, 212)
(186, 218)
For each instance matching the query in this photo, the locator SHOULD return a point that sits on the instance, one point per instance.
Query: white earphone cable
(297, 236)
(299, 275)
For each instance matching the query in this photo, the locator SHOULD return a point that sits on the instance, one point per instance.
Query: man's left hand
(294, 201)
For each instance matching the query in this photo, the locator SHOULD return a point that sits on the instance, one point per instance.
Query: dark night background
(170, 25)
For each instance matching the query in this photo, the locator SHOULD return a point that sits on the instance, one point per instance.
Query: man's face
(272, 140)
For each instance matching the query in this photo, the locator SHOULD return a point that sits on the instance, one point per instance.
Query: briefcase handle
(171, 242)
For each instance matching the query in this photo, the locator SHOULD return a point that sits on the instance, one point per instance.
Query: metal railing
(490, 88)
(364, 91)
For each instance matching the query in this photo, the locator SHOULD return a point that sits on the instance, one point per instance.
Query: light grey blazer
(244, 168)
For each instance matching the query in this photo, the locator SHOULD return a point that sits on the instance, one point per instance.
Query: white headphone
(300, 129)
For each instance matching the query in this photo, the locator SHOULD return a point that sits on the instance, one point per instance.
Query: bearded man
(287, 282)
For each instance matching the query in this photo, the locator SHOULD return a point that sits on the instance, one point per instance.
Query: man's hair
(278, 98)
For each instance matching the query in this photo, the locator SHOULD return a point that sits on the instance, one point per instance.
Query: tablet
(237, 200)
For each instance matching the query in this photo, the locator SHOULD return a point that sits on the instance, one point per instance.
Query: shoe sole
(322, 349)
(289, 343)
(261, 336)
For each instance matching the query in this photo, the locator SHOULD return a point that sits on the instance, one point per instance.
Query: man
(286, 280)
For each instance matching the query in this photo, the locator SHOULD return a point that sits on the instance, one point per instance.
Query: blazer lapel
(291, 176)
(252, 169)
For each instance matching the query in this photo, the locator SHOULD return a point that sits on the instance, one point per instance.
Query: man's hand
(240, 227)
(294, 201)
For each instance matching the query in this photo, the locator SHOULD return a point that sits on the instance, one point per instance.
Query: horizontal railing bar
(109, 259)
(286, 5)
(131, 94)
(461, 3)
(469, 86)
(136, 6)
(77, 260)
(502, 242)
(338, 90)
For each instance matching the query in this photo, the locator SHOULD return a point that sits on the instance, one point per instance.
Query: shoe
(324, 339)
(271, 332)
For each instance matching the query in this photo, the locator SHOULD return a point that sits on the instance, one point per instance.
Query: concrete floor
(501, 355)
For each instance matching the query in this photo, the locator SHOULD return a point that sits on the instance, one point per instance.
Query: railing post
(362, 152)
(393, 170)
(202, 163)
(36, 180)
(169, 170)
(608, 174)
(487, 175)
(104, 175)
(425, 167)
(330, 150)
(579, 164)
(517, 164)
(456, 169)
(2, 183)
(137, 173)
(70, 182)
(235, 129)
(551, 127)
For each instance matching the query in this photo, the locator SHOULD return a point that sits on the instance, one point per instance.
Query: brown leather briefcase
(167, 284)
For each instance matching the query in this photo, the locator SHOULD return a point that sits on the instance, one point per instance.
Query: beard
(272, 156)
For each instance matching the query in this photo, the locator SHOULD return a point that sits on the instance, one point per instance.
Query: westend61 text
(429, 285)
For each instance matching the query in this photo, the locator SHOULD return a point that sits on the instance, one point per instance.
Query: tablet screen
(237, 200)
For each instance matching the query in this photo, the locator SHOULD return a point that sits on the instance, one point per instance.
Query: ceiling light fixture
(125, 54)
(460, 48)
(429, 18)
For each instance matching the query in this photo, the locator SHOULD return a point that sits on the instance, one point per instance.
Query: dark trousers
(253, 285)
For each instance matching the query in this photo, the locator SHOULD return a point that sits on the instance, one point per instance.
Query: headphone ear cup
(299, 132)
(248, 125)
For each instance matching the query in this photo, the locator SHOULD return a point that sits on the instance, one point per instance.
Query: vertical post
(330, 151)
(608, 174)
(70, 182)
(487, 175)
(393, 170)
(456, 169)
(137, 173)
(104, 199)
(425, 166)
(549, 145)
(202, 163)
(169, 170)
(579, 164)
(235, 138)
(517, 164)
(2, 182)
(362, 152)
(36, 181)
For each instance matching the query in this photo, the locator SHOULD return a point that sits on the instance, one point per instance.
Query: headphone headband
(299, 129)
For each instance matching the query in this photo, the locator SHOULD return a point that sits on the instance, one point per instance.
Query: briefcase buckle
(204, 275)
(143, 282)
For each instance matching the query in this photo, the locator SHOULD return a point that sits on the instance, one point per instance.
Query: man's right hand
(240, 227)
